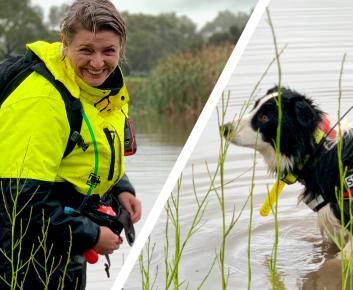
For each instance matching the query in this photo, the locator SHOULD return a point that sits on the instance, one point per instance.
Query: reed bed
(181, 82)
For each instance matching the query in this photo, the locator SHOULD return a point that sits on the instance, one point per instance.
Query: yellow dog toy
(272, 197)
(290, 178)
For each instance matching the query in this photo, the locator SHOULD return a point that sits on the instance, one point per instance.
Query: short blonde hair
(94, 16)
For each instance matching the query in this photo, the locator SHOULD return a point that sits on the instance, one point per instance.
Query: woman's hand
(131, 204)
(108, 242)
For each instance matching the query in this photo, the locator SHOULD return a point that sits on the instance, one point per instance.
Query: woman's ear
(64, 42)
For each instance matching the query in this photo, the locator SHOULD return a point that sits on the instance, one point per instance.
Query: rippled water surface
(317, 34)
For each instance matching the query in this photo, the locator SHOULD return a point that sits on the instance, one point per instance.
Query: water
(317, 34)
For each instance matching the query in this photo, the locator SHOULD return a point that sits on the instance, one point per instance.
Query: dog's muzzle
(227, 130)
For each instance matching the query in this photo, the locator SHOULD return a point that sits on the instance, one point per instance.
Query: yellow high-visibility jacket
(34, 127)
(34, 131)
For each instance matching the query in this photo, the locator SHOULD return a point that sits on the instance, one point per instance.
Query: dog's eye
(263, 118)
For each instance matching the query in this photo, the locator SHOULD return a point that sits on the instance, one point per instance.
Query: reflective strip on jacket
(29, 149)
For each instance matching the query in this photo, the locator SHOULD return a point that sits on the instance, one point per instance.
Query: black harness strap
(73, 106)
(15, 77)
(15, 70)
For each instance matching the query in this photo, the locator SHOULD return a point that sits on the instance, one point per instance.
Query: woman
(41, 245)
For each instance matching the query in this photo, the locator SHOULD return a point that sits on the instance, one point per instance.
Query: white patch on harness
(349, 181)
(314, 203)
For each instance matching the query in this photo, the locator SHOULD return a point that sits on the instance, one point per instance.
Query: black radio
(130, 145)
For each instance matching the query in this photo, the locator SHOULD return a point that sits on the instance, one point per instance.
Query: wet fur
(301, 117)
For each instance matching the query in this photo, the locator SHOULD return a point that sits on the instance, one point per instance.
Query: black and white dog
(308, 152)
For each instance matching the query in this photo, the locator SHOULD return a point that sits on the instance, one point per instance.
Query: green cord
(95, 148)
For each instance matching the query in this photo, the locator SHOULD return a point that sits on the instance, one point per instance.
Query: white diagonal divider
(190, 144)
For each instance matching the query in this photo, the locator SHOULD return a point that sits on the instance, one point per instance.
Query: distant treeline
(151, 38)
(171, 65)
(157, 47)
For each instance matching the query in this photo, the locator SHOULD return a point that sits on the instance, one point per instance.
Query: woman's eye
(110, 51)
(85, 50)
(263, 118)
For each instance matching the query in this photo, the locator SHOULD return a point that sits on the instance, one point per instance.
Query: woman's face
(94, 56)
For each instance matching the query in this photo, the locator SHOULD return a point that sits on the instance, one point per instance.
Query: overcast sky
(200, 11)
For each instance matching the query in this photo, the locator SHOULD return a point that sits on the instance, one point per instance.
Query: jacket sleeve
(124, 184)
(36, 205)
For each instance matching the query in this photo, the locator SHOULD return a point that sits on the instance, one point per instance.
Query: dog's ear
(304, 112)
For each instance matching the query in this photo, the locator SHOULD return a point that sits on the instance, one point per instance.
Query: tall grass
(181, 238)
(346, 229)
(18, 231)
(20, 266)
(273, 263)
(145, 260)
(228, 226)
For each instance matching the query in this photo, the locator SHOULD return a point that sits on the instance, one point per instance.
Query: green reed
(228, 226)
(345, 230)
(180, 241)
(19, 229)
(346, 262)
(226, 229)
(340, 190)
(145, 266)
(273, 264)
(14, 259)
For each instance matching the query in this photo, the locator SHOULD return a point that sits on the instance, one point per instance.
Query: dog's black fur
(300, 119)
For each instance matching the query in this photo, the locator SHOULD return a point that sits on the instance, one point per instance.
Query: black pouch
(130, 146)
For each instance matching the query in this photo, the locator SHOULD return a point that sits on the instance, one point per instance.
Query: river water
(317, 34)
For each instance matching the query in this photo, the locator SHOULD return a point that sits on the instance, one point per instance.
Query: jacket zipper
(112, 150)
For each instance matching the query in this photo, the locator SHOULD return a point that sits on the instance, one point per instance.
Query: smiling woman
(93, 55)
(60, 189)
(93, 47)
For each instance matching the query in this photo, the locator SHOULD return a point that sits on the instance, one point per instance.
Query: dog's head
(259, 128)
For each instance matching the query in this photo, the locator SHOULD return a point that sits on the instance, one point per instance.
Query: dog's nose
(227, 129)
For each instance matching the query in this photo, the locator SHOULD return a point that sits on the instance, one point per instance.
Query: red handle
(91, 256)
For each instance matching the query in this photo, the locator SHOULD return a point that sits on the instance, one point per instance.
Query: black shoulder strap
(73, 106)
(13, 72)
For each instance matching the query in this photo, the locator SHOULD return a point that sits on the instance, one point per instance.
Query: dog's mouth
(233, 135)
(241, 134)
(227, 131)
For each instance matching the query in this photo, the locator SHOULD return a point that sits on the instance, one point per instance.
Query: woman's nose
(97, 61)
